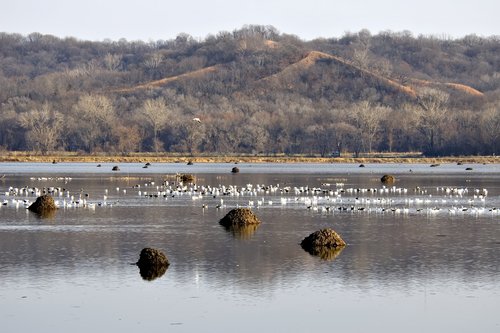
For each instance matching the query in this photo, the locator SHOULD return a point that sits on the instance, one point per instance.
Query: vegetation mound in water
(388, 179)
(43, 205)
(239, 217)
(152, 263)
(325, 243)
(186, 178)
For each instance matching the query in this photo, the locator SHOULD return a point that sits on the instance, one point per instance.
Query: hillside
(253, 90)
(165, 81)
(287, 76)
(312, 59)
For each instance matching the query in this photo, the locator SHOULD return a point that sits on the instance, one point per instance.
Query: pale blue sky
(155, 19)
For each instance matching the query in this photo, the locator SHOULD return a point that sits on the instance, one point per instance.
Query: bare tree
(153, 61)
(190, 133)
(360, 57)
(400, 128)
(346, 137)
(93, 117)
(361, 52)
(43, 128)
(383, 67)
(127, 138)
(432, 115)
(367, 119)
(251, 134)
(490, 124)
(156, 113)
(112, 61)
(10, 133)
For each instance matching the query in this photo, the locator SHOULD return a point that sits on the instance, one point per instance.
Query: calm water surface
(416, 260)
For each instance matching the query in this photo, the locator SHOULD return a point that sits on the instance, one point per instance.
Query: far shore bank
(178, 158)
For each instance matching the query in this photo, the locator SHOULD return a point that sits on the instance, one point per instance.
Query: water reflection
(77, 263)
(325, 253)
(46, 214)
(152, 272)
(241, 231)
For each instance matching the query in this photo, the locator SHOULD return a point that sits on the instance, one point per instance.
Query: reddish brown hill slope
(314, 56)
(162, 82)
(311, 59)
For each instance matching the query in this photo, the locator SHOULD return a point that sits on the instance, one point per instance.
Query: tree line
(253, 90)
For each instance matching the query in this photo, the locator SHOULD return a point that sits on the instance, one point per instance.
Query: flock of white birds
(329, 198)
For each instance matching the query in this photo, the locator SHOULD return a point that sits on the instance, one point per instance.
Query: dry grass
(455, 86)
(271, 44)
(314, 56)
(158, 83)
(178, 158)
(310, 60)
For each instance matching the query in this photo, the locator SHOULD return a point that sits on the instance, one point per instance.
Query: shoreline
(178, 158)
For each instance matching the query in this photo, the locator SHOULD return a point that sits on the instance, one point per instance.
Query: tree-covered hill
(253, 90)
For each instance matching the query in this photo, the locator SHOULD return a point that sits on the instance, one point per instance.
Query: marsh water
(422, 253)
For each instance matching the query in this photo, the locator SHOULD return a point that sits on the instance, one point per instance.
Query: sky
(152, 20)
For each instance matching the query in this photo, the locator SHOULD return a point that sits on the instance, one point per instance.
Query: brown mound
(388, 179)
(186, 178)
(152, 263)
(239, 217)
(43, 205)
(322, 242)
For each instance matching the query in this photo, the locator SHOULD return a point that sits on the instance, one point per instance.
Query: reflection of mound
(242, 231)
(46, 214)
(326, 253)
(152, 263)
(152, 272)
(325, 243)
